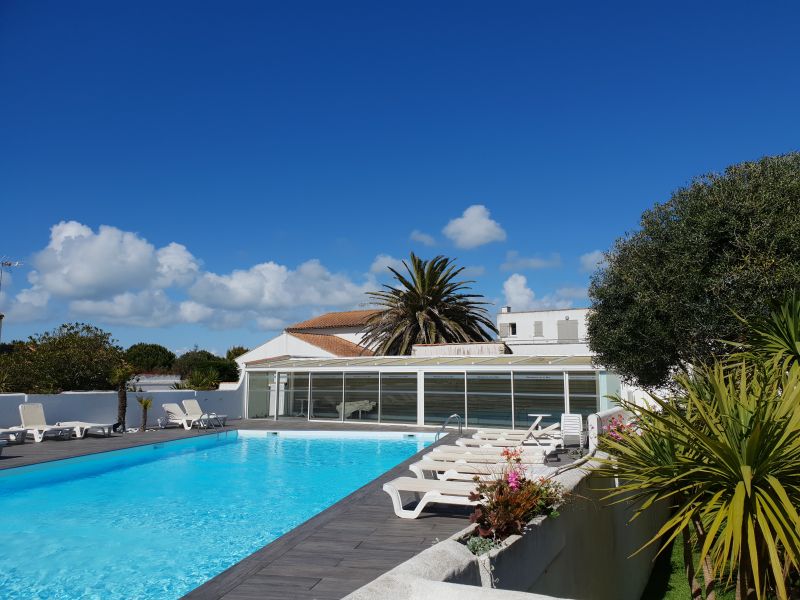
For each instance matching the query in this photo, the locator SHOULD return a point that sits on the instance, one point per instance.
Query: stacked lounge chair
(446, 474)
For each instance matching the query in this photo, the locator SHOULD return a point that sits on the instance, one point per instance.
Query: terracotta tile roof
(349, 318)
(330, 343)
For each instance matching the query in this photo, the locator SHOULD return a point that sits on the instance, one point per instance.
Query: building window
(538, 329)
(512, 329)
(567, 331)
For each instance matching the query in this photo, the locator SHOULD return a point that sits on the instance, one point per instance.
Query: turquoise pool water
(157, 521)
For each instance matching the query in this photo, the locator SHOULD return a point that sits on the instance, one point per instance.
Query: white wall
(282, 345)
(524, 341)
(101, 407)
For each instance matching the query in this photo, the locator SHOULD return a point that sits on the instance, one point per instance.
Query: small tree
(120, 377)
(727, 243)
(150, 358)
(74, 356)
(235, 352)
(145, 402)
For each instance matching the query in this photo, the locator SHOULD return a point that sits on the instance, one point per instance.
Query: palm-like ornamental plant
(725, 453)
(428, 307)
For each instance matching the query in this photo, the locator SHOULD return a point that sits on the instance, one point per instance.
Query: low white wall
(101, 406)
(583, 554)
(598, 423)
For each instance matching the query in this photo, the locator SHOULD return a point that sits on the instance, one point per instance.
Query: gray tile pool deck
(330, 555)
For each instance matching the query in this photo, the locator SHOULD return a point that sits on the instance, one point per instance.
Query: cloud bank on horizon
(114, 276)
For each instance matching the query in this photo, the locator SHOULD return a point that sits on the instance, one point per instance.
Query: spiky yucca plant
(430, 306)
(725, 453)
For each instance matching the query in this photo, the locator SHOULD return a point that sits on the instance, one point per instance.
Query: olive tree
(720, 250)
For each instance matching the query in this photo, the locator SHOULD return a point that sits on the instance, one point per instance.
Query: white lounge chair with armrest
(491, 450)
(32, 416)
(81, 428)
(518, 434)
(175, 416)
(13, 436)
(193, 411)
(518, 443)
(432, 491)
(572, 429)
(466, 471)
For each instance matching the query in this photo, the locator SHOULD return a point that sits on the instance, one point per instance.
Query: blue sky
(206, 172)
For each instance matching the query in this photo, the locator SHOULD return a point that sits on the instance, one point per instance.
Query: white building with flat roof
(556, 332)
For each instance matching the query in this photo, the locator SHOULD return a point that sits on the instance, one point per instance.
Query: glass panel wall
(361, 396)
(541, 393)
(258, 395)
(583, 393)
(326, 396)
(444, 395)
(295, 396)
(489, 400)
(399, 397)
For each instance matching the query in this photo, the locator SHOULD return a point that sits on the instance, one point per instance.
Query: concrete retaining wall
(101, 406)
(584, 553)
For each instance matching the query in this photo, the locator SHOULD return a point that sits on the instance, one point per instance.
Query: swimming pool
(156, 521)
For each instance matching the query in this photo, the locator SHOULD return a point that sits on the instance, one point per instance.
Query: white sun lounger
(517, 434)
(176, 416)
(32, 416)
(466, 471)
(481, 458)
(494, 450)
(13, 436)
(81, 428)
(193, 411)
(433, 491)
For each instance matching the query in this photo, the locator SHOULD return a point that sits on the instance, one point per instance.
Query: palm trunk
(122, 405)
(688, 565)
(709, 578)
(744, 587)
(144, 419)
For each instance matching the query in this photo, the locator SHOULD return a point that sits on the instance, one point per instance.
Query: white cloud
(176, 266)
(515, 262)
(194, 312)
(29, 305)
(382, 263)
(147, 308)
(116, 276)
(520, 297)
(270, 285)
(592, 260)
(474, 228)
(79, 263)
(422, 238)
(271, 323)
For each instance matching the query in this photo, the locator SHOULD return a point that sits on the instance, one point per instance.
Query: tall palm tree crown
(428, 307)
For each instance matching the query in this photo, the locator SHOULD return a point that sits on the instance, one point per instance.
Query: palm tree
(120, 376)
(428, 307)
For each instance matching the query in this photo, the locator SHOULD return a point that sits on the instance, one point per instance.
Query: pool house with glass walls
(494, 391)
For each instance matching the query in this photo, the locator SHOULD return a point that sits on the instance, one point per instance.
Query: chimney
(505, 309)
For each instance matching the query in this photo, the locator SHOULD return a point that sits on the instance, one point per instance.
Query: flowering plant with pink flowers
(508, 502)
(616, 429)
